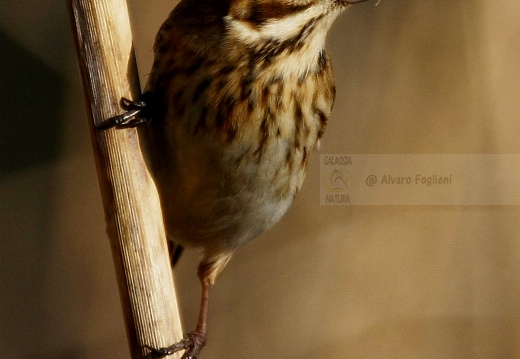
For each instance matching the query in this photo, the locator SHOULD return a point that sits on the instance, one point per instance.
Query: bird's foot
(137, 113)
(193, 343)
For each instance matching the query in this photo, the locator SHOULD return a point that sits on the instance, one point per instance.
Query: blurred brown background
(414, 76)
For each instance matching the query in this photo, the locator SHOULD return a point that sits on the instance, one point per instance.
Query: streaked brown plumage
(238, 96)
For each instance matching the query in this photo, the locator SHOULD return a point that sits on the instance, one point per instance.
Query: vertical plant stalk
(132, 210)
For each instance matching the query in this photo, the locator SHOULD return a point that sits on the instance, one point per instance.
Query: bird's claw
(131, 118)
(193, 343)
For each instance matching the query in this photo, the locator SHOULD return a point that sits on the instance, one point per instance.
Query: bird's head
(254, 22)
(282, 35)
(291, 30)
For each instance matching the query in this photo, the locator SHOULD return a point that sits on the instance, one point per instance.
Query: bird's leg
(194, 341)
(198, 336)
(136, 113)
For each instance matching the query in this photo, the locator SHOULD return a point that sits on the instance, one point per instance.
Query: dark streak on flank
(201, 123)
(245, 84)
(162, 47)
(226, 70)
(303, 77)
(194, 66)
(176, 99)
(223, 120)
(323, 121)
(163, 83)
(289, 158)
(232, 131)
(323, 63)
(203, 85)
(264, 98)
(279, 95)
(298, 123)
(332, 93)
(305, 157)
(264, 134)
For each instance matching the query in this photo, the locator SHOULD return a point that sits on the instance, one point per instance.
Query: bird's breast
(230, 152)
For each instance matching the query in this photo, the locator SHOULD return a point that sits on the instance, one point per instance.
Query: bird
(238, 97)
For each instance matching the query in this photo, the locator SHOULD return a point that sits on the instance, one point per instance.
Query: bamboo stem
(133, 215)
